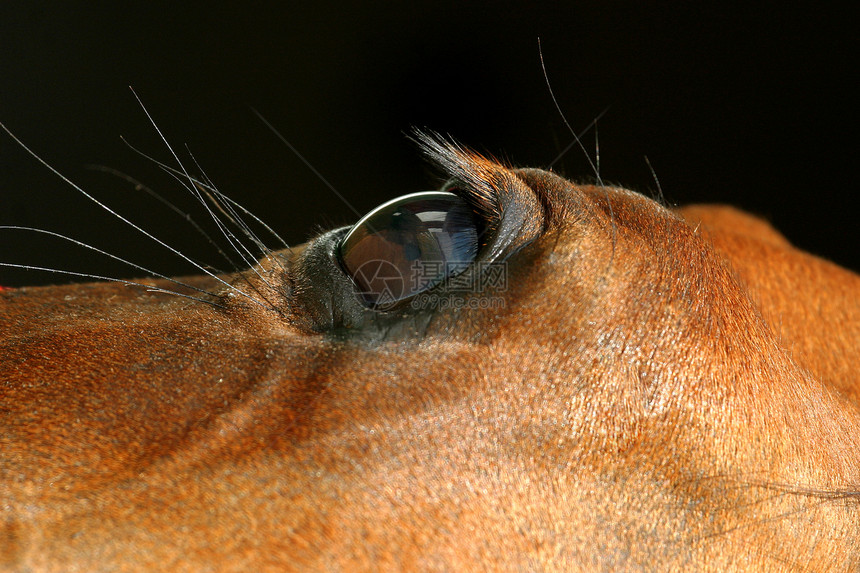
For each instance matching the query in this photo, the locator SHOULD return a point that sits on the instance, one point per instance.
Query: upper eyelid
(511, 209)
(496, 191)
(489, 220)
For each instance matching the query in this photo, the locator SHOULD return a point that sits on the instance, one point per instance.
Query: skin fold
(669, 390)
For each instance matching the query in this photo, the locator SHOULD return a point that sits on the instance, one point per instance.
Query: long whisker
(208, 189)
(221, 201)
(660, 196)
(194, 188)
(105, 253)
(256, 219)
(202, 190)
(231, 214)
(238, 247)
(249, 260)
(150, 288)
(187, 176)
(578, 138)
(306, 162)
(222, 197)
(80, 190)
(584, 151)
(139, 186)
(180, 176)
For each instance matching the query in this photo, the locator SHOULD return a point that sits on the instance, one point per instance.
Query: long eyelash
(476, 179)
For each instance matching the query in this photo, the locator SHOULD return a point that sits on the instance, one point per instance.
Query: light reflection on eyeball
(409, 245)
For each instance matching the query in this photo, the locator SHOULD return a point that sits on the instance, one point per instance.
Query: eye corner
(511, 211)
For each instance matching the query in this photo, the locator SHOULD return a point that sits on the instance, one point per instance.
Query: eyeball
(409, 245)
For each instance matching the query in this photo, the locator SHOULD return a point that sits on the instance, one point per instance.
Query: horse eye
(409, 245)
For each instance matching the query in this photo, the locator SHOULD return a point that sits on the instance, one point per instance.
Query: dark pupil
(409, 245)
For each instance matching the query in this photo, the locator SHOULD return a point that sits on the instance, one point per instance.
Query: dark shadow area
(748, 105)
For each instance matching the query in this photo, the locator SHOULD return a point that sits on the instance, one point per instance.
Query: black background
(752, 105)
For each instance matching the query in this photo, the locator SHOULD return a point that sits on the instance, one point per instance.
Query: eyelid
(515, 214)
(510, 210)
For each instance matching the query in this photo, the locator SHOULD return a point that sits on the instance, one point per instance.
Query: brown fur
(662, 390)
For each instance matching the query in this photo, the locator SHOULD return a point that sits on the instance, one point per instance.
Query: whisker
(105, 253)
(256, 219)
(196, 188)
(193, 186)
(578, 141)
(225, 199)
(139, 186)
(231, 214)
(150, 288)
(80, 190)
(210, 187)
(222, 198)
(250, 261)
(306, 162)
(190, 186)
(661, 198)
(578, 137)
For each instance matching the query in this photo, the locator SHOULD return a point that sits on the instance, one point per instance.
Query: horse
(514, 372)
